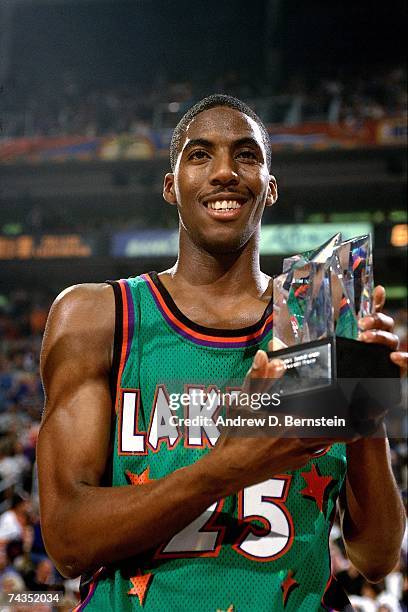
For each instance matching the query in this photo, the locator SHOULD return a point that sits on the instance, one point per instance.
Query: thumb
(259, 365)
(378, 298)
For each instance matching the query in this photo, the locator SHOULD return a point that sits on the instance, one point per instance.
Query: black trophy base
(338, 379)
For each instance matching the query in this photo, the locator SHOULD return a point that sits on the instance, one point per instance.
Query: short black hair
(205, 104)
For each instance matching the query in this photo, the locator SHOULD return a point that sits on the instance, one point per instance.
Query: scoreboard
(46, 246)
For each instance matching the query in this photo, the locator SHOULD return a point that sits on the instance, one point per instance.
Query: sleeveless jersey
(262, 550)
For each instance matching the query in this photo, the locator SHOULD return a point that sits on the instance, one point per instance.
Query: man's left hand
(379, 327)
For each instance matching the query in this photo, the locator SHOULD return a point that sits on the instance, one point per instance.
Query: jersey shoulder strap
(127, 310)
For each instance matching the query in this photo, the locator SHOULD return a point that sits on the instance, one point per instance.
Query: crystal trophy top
(321, 294)
(303, 326)
(352, 284)
(351, 279)
(302, 304)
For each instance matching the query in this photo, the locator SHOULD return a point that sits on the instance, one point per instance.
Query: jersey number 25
(264, 503)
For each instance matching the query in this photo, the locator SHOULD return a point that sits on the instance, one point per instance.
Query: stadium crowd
(65, 106)
(24, 565)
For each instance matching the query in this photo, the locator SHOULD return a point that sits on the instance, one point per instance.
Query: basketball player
(160, 515)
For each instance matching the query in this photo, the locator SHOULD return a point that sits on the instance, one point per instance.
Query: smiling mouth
(224, 205)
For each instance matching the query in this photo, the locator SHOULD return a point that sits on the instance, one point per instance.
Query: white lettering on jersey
(162, 427)
(202, 408)
(130, 440)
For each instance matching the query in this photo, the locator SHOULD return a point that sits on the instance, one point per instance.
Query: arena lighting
(399, 235)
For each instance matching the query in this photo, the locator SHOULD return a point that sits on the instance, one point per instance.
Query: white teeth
(224, 205)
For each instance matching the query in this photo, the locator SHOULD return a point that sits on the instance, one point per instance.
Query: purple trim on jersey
(131, 318)
(91, 591)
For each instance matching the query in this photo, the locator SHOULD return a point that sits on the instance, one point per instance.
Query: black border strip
(209, 331)
(118, 340)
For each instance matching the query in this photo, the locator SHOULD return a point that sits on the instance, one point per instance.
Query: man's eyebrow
(247, 140)
(197, 142)
(202, 142)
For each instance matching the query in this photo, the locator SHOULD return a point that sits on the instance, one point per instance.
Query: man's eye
(198, 154)
(247, 154)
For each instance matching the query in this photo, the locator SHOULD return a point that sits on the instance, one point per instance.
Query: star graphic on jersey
(229, 609)
(138, 479)
(141, 583)
(287, 587)
(316, 485)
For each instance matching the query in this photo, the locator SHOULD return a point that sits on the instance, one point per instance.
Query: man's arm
(86, 525)
(373, 517)
(371, 509)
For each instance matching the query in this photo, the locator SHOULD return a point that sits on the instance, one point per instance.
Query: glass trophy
(303, 326)
(318, 301)
(352, 281)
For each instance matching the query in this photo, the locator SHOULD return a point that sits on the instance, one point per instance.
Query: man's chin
(221, 246)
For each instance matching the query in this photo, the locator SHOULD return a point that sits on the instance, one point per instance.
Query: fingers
(377, 321)
(378, 298)
(262, 371)
(378, 327)
(380, 337)
(263, 368)
(401, 359)
(259, 365)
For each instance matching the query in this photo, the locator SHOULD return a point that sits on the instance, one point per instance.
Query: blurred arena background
(90, 92)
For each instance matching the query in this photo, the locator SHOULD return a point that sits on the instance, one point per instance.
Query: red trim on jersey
(124, 340)
(197, 335)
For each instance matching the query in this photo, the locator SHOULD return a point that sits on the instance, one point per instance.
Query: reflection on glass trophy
(352, 282)
(350, 265)
(319, 255)
(303, 318)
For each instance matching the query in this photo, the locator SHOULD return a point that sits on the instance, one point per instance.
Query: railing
(280, 110)
(288, 110)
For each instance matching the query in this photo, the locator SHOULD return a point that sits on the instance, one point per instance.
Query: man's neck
(219, 274)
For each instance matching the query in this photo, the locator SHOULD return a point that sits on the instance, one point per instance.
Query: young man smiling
(187, 533)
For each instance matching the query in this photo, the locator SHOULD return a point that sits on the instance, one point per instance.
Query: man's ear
(272, 191)
(169, 193)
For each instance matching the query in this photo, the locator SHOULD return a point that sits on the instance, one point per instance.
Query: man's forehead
(223, 122)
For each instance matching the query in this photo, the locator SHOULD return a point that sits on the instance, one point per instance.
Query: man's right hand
(239, 460)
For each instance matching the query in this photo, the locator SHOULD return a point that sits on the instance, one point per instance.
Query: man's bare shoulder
(92, 298)
(84, 313)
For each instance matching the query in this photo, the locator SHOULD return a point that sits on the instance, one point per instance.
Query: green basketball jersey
(262, 550)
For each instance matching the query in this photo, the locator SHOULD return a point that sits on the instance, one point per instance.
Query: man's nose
(223, 171)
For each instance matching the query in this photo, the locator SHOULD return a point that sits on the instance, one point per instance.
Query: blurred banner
(145, 243)
(275, 239)
(155, 143)
(46, 246)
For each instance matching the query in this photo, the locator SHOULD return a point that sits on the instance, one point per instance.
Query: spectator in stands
(6, 567)
(15, 523)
